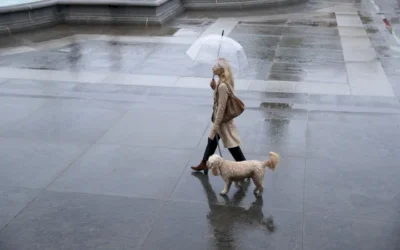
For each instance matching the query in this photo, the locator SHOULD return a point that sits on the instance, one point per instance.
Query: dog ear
(215, 171)
(214, 164)
(273, 160)
(211, 161)
(209, 164)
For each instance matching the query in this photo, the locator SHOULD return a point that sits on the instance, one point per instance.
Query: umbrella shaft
(219, 47)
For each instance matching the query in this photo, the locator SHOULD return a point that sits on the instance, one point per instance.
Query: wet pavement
(100, 126)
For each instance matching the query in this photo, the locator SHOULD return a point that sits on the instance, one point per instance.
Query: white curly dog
(232, 171)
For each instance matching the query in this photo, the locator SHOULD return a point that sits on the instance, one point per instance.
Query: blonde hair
(227, 75)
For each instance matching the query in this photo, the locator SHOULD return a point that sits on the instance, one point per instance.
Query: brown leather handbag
(234, 106)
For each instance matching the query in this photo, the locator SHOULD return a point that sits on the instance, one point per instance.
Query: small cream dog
(232, 171)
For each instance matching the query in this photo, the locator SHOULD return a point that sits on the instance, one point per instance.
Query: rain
(106, 107)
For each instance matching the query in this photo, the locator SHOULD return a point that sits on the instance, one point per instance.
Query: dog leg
(254, 181)
(228, 184)
(255, 190)
(260, 190)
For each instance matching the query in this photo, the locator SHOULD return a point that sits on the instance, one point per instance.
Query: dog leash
(219, 149)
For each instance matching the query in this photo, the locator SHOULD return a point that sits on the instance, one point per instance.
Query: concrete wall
(114, 13)
(39, 14)
(21, 20)
(142, 12)
(235, 4)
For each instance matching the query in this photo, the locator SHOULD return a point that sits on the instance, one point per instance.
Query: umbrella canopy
(208, 48)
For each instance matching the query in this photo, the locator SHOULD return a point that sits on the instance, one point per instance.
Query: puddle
(193, 22)
(292, 42)
(166, 31)
(270, 22)
(364, 19)
(314, 23)
(371, 30)
(279, 113)
(275, 105)
(327, 15)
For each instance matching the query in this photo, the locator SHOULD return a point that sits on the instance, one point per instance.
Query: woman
(220, 129)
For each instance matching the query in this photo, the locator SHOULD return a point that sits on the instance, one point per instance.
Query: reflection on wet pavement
(290, 51)
(224, 218)
(54, 122)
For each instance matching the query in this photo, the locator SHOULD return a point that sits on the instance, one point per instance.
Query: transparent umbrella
(208, 48)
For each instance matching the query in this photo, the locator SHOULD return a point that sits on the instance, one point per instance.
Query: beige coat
(226, 130)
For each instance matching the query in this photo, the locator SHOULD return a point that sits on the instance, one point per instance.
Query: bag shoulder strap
(230, 91)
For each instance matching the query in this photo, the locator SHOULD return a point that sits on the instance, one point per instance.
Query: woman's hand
(214, 131)
(213, 84)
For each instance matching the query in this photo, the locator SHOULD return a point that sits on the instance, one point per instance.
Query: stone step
(33, 15)
(277, 103)
(236, 4)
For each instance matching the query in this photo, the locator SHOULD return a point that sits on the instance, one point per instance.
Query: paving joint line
(23, 209)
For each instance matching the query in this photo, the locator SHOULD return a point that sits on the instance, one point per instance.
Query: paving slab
(307, 55)
(322, 232)
(348, 20)
(122, 168)
(317, 88)
(322, 72)
(13, 109)
(352, 54)
(170, 129)
(79, 220)
(368, 78)
(368, 152)
(355, 42)
(323, 32)
(217, 227)
(352, 31)
(13, 201)
(204, 83)
(260, 137)
(35, 164)
(310, 42)
(46, 89)
(55, 75)
(62, 123)
(362, 191)
(259, 29)
(221, 24)
(300, 87)
(148, 80)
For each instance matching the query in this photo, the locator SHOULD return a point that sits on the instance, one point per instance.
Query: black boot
(237, 154)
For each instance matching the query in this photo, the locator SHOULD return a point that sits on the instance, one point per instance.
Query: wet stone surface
(308, 72)
(305, 44)
(119, 176)
(90, 160)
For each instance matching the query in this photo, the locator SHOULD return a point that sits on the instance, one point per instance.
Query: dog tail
(273, 161)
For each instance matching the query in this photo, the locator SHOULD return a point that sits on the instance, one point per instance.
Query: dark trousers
(212, 145)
